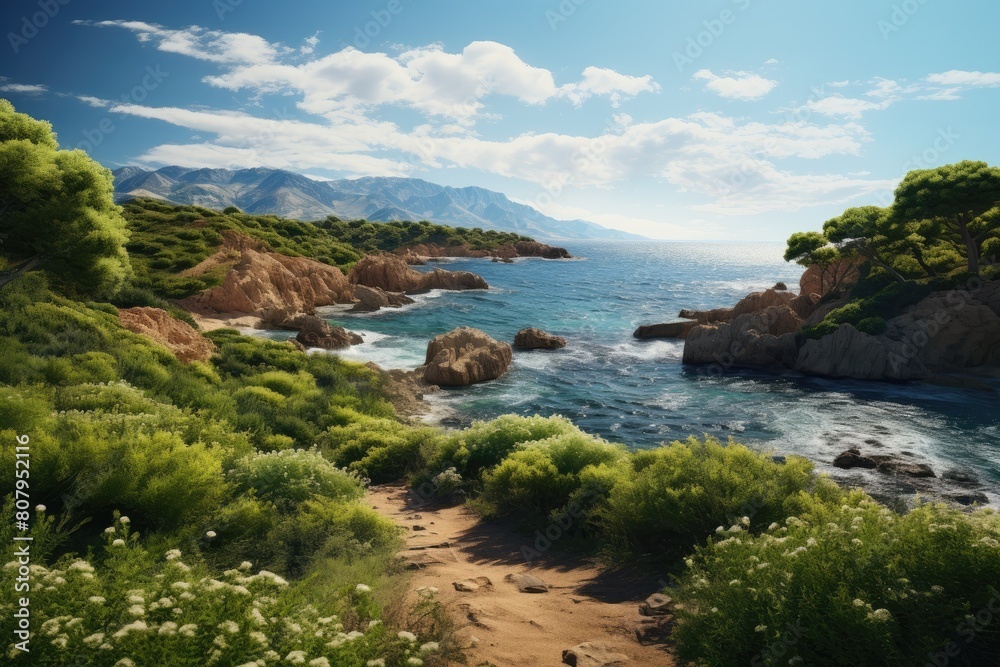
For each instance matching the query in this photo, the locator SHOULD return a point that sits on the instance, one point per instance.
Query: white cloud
(962, 78)
(94, 101)
(310, 44)
(197, 42)
(846, 107)
(737, 86)
(602, 81)
(24, 88)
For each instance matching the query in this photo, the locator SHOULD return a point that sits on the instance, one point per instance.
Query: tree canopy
(956, 202)
(942, 221)
(57, 208)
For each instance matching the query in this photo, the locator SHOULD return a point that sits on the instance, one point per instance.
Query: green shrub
(678, 494)
(846, 582)
(540, 478)
(485, 444)
(290, 477)
(873, 326)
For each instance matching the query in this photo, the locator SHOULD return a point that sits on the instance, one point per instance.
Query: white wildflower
(408, 636)
(119, 542)
(188, 630)
(362, 588)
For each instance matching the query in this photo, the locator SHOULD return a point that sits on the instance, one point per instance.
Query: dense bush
(676, 495)
(845, 582)
(542, 477)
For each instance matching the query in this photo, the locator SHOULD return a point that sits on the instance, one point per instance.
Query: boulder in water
(465, 356)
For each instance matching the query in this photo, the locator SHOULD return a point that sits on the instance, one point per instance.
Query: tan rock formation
(841, 274)
(536, 339)
(763, 339)
(371, 299)
(465, 356)
(392, 274)
(667, 330)
(179, 337)
(751, 303)
(260, 281)
(317, 332)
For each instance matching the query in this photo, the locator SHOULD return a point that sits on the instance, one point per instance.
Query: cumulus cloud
(732, 163)
(737, 85)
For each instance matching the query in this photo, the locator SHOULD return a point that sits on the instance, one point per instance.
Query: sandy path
(584, 604)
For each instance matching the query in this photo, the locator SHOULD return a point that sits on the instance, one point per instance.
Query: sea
(640, 394)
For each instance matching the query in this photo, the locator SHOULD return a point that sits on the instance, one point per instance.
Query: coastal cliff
(944, 337)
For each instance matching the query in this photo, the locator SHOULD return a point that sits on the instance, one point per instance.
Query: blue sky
(724, 119)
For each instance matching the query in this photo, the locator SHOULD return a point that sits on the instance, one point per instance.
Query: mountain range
(380, 199)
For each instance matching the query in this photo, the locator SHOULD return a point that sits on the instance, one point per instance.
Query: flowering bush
(126, 607)
(846, 583)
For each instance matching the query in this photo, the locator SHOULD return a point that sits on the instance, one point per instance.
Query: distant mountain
(262, 191)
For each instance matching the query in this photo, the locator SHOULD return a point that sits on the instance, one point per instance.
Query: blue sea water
(639, 393)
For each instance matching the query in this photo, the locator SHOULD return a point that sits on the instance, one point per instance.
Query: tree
(954, 200)
(865, 231)
(813, 249)
(57, 208)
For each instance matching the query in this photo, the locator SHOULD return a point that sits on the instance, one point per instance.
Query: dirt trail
(584, 603)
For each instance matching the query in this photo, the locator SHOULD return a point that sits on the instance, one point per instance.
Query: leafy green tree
(57, 208)
(956, 202)
(865, 231)
(814, 249)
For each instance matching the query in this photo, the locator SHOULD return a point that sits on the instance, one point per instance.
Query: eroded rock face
(465, 356)
(950, 331)
(536, 339)
(179, 337)
(841, 274)
(849, 353)
(371, 299)
(316, 332)
(764, 339)
(260, 280)
(392, 274)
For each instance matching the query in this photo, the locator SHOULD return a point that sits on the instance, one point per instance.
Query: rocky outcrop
(465, 356)
(392, 274)
(158, 325)
(451, 280)
(848, 352)
(839, 275)
(950, 331)
(853, 458)
(536, 339)
(751, 303)
(764, 340)
(371, 299)
(667, 330)
(317, 332)
(260, 280)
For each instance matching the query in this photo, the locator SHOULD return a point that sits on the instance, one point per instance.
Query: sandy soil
(503, 626)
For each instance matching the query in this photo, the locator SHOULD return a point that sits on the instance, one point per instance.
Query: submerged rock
(465, 356)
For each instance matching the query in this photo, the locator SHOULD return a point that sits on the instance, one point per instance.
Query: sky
(717, 119)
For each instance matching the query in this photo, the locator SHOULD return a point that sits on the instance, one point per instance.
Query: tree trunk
(970, 247)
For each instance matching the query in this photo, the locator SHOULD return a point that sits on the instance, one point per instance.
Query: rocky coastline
(949, 337)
